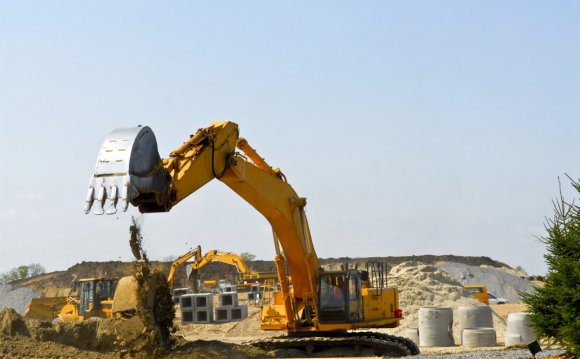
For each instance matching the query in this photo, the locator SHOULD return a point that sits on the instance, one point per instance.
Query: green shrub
(555, 308)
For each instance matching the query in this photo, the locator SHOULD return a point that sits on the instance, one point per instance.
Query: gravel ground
(499, 353)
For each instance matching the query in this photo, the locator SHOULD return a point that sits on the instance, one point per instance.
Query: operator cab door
(339, 298)
(86, 297)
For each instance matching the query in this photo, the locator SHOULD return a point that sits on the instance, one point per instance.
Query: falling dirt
(149, 328)
(135, 239)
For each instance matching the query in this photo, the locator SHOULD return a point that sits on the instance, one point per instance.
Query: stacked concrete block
(231, 314)
(196, 308)
(229, 309)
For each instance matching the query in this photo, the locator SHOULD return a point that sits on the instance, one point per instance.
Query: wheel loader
(317, 309)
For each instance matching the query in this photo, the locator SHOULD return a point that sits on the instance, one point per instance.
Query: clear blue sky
(412, 127)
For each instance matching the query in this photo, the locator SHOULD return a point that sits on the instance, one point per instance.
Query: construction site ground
(420, 285)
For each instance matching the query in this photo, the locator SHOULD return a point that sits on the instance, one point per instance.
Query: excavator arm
(130, 170)
(195, 253)
(215, 255)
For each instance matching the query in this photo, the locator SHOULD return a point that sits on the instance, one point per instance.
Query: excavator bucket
(128, 170)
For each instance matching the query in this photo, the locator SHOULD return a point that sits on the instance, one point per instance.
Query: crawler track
(377, 343)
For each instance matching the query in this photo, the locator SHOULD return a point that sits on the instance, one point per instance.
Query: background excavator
(317, 308)
(197, 261)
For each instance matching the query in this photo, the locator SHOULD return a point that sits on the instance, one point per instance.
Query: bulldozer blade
(45, 309)
(128, 165)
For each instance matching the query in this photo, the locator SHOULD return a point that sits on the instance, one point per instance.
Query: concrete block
(202, 316)
(228, 299)
(239, 312)
(187, 317)
(203, 301)
(186, 302)
(222, 315)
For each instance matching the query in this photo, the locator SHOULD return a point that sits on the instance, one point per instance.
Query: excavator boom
(130, 170)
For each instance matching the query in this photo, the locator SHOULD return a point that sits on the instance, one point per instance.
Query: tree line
(21, 272)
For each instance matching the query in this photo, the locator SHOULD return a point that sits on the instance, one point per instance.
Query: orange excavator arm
(195, 253)
(130, 170)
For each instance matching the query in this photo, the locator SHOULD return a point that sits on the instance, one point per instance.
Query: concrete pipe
(413, 334)
(478, 337)
(435, 327)
(519, 330)
(475, 317)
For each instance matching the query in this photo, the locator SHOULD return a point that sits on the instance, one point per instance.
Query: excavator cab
(93, 292)
(93, 299)
(339, 297)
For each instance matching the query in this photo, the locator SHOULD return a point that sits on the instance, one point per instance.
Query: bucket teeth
(98, 204)
(89, 201)
(112, 201)
(124, 197)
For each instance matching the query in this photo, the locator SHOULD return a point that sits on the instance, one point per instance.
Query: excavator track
(379, 344)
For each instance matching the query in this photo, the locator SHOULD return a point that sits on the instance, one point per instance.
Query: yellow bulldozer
(88, 298)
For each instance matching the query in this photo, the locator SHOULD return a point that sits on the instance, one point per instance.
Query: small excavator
(317, 308)
(198, 261)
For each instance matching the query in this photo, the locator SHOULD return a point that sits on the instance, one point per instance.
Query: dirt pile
(11, 323)
(92, 335)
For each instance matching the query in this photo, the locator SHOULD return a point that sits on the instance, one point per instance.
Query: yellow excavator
(88, 298)
(194, 253)
(198, 261)
(317, 308)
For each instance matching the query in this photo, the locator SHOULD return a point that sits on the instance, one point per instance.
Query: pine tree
(555, 308)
